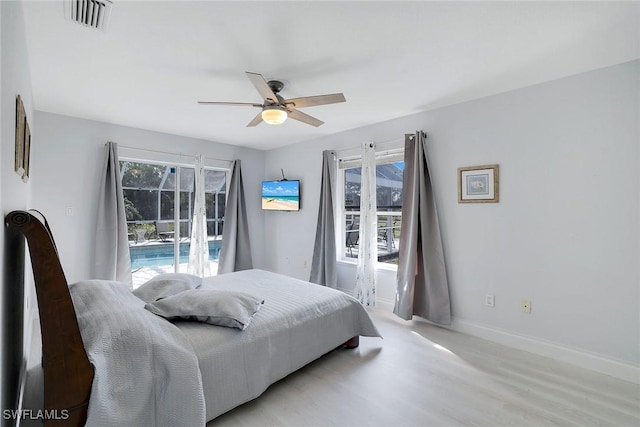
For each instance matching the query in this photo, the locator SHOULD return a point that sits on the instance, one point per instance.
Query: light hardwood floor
(422, 375)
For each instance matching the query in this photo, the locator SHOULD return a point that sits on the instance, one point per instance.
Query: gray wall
(565, 233)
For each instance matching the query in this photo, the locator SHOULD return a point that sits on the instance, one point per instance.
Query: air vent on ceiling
(90, 13)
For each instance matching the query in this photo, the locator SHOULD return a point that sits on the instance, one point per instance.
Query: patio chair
(162, 231)
(386, 235)
(352, 240)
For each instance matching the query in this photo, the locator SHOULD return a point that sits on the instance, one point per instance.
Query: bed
(109, 358)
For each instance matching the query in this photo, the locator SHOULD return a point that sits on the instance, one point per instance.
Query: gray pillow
(222, 308)
(165, 285)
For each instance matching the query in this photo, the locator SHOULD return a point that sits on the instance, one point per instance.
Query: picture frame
(27, 152)
(478, 184)
(19, 145)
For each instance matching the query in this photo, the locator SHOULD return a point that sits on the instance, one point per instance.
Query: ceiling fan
(276, 109)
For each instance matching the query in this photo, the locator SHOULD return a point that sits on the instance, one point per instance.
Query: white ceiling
(390, 59)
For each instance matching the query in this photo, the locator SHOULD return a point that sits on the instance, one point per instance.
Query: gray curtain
(422, 285)
(323, 263)
(235, 253)
(112, 261)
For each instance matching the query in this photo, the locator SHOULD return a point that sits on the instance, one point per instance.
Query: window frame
(349, 162)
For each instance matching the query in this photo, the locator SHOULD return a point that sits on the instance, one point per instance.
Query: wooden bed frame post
(13, 319)
(352, 343)
(68, 374)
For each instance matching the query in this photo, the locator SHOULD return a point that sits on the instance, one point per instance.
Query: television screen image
(281, 195)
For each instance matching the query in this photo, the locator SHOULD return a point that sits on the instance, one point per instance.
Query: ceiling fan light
(274, 116)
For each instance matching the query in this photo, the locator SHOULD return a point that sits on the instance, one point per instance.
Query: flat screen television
(281, 195)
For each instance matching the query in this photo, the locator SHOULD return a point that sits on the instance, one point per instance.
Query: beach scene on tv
(281, 195)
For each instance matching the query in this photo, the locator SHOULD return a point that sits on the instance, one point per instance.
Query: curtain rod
(170, 153)
(341, 152)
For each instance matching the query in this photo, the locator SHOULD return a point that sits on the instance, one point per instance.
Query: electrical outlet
(525, 306)
(489, 300)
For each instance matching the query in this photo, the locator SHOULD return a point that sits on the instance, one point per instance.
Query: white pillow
(165, 285)
(222, 308)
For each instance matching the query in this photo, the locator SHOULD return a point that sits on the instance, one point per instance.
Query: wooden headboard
(68, 375)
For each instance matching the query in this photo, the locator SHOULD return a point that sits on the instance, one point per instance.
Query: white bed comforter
(298, 323)
(146, 373)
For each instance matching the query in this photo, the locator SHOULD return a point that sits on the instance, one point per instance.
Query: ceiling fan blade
(256, 120)
(311, 101)
(239, 104)
(305, 118)
(263, 88)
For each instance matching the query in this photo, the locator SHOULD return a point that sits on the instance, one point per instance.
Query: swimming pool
(162, 255)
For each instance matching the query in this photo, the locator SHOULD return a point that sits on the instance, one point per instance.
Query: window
(389, 173)
(159, 200)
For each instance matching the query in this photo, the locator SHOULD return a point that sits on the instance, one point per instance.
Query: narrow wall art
(23, 141)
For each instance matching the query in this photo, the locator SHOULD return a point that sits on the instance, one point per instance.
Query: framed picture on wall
(27, 152)
(20, 122)
(478, 184)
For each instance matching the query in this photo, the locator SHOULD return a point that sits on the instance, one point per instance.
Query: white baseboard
(578, 357)
(574, 356)
(385, 305)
